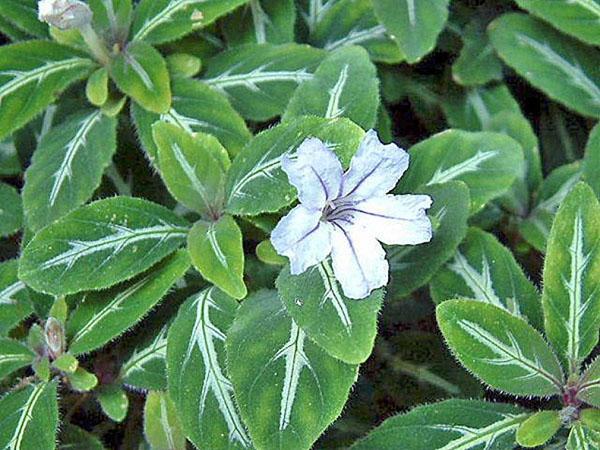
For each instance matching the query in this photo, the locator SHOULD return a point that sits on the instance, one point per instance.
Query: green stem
(95, 44)
(122, 186)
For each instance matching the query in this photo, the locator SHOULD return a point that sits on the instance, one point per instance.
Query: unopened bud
(55, 337)
(64, 14)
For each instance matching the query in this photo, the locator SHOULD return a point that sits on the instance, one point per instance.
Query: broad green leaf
(96, 88)
(75, 438)
(24, 15)
(11, 31)
(100, 244)
(287, 388)
(344, 85)
(146, 368)
(591, 162)
(565, 69)
(217, 252)
(13, 356)
(477, 63)
(539, 428)
(452, 424)
(500, 349)
(82, 380)
(196, 108)
(29, 418)
(9, 159)
(67, 166)
(199, 383)
(261, 22)
(15, 304)
(483, 269)
(104, 315)
(343, 327)
(353, 22)
(486, 162)
(183, 65)
(259, 79)
(413, 266)
(141, 72)
(413, 24)
(193, 167)
(112, 17)
(160, 21)
(536, 227)
(590, 384)
(582, 438)
(162, 427)
(256, 183)
(579, 18)
(11, 210)
(113, 401)
(571, 269)
(312, 12)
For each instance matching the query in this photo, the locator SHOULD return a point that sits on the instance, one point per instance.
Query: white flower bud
(64, 14)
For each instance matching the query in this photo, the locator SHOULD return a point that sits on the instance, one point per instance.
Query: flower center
(338, 210)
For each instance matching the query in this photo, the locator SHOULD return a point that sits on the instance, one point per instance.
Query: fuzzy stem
(95, 44)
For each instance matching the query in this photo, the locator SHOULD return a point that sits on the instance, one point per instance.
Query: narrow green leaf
(259, 79)
(582, 438)
(75, 438)
(538, 429)
(29, 418)
(571, 271)
(100, 244)
(343, 327)
(104, 315)
(96, 88)
(256, 183)
(413, 24)
(67, 166)
(500, 349)
(11, 210)
(162, 427)
(344, 85)
(13, 356)
(217, 252)
(24, 15)
(198, 381)
(591, 162)
(287, 388)
(31, 75)
(452, 424)
(15, 304)
(485, 161)
(146, 368)
(261, 21)
(114, 402)
(141, 72)
(565, 69)
(483, 269)
(590, 384)
(11, 31)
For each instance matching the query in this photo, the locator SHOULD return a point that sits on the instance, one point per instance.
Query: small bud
(55, 337)
(64, 14)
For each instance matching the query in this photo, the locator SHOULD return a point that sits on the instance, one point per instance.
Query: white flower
(64, 14)
(348, 214)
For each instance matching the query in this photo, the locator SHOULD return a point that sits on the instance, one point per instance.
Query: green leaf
(500, 349)
(343, 327)
(287, 388)
(579, 18)
(217, 252)
(483, 269)
(13, 356)
(66, 363)
(413, 266)
(536, 227)
(452, 424)
(11, 31)
(100, 244)
(114, 402)
(9, 159)
(353, 22)
(112, 17)
(11, 210)
(162, 427)
(146, 368)
(29, 418)
(413, 24)
(344, 85)
(104, 315)
(67, 166)
(198, 381)
(260, 22)
(538, 429)
(160, 21)
(565, 69)
(24, 15)
(590, 384)
(193, 167)
(196, 108)
(582, 438)
(75, 438)
(32, 74)
(141, 72)
(591, 162)
(485, 161)
(82, 380)
(571, 270)
(267, 254)
(257, 184)
(15, 304)
(259, 79)
(96, 88)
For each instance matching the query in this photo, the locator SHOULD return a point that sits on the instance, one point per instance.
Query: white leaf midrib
(6, 295)
(335, 93)
(357, 37)
(257, 76)
(164, 16)
(25, 417)
(156, 350)
(332, 293)
(467, 166)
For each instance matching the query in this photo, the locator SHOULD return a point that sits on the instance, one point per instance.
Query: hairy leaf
(13, 356)
(11, 210)
(260, 22)
(591, 162)
(162, 427)
(146, 368)
(15, 304)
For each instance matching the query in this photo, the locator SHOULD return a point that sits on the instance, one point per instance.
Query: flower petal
(358, 261)
(316, 172)
(375, 168)
(395, 219)
(303, 238)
